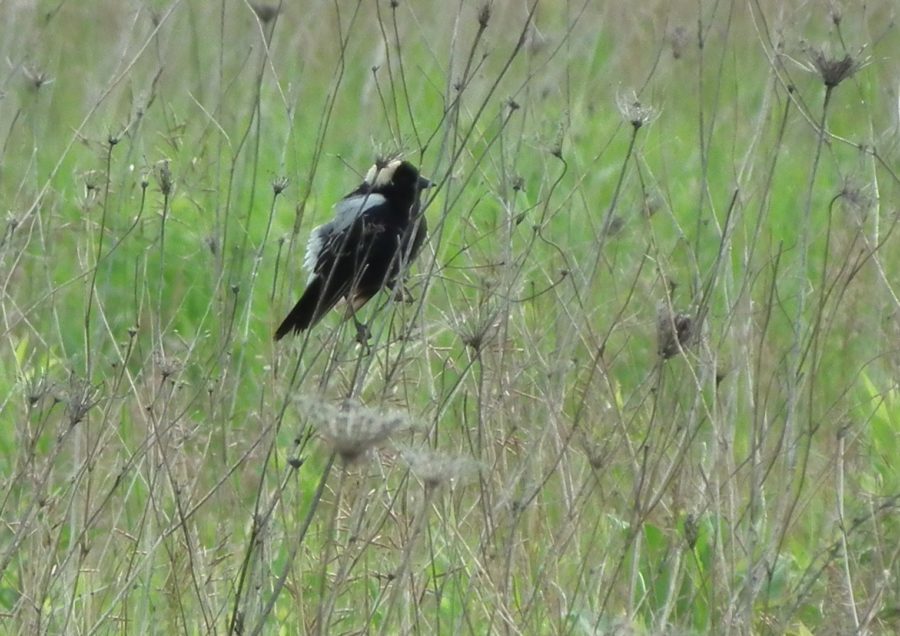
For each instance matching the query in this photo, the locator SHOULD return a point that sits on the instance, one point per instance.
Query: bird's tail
(308, 310)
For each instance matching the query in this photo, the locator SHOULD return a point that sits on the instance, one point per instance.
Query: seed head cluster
(350, 428)
(834, 69)
(856, 199)
(479, 328)
(164, 179)
(675, 331)
(634, 111)
(80, 397)
(436, 469)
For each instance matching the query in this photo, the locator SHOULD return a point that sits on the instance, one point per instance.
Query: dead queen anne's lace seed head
(279, 185)
(167, 365)
(93, 186)
(80, 397)
(36, 78)
(634, 111)
(436, 469)
(834, 70)
(856, 198)
(93, 182)
(479, 328)
(675, 331)
(350, 428)
(164, 179)
(36, 386)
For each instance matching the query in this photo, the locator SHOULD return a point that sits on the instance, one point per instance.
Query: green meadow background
(646, 370)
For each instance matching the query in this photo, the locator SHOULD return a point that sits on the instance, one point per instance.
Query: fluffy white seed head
(436, 469)
(350, 428)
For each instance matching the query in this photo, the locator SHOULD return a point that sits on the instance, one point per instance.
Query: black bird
(376, 231)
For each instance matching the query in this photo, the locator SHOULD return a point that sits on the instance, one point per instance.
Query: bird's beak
(424, 183)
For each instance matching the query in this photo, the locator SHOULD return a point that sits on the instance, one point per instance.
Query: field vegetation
(644, 380)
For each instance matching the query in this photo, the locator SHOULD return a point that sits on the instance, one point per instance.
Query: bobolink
(376, 231)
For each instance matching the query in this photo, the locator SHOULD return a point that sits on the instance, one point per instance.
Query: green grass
(166, 466)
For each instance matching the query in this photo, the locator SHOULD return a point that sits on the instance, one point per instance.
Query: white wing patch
(346, 211)
(314, 248)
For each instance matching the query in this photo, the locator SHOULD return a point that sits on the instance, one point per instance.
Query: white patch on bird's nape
(378, 177)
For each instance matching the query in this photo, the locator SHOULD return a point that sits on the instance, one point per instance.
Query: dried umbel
(279, 184)
(36, 386)
(834, 69)
(856, 199)
(480, 327)
(436, 469)
(634, 111)
(163, 174)
(675, 331)
(80, 397)
(167, 365)
(93, 182)
(350, 428)
(37, 79)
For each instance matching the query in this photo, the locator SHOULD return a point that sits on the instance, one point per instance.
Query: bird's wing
(346, 212)
(348, 249)
(314, 245)
(351, 207)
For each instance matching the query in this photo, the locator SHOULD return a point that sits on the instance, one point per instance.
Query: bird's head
(396, 178)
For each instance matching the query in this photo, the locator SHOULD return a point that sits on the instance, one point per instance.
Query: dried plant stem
(611, 209)
(399, 578)
(292, 555)
(845, 551)
(92, 287)
(798, 358)
(323, 614)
